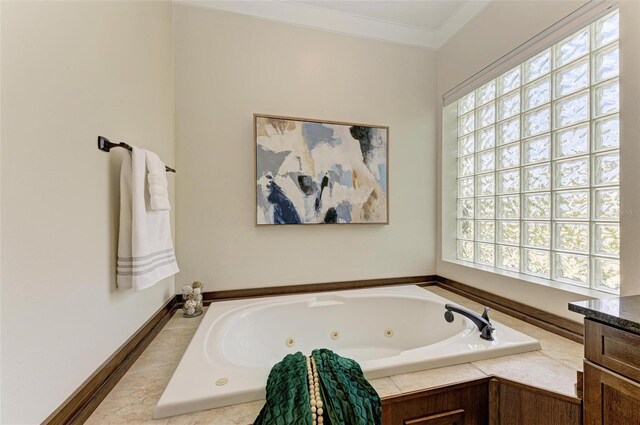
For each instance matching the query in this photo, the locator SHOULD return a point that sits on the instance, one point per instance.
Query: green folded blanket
(345, 396)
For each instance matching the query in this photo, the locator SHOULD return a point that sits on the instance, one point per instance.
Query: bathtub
(388, 330)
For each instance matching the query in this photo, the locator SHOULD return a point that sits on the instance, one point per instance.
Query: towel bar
(105, 145)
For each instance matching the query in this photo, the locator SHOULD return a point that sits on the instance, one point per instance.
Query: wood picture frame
(311, 171)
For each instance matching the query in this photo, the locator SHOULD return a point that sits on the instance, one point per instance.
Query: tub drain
(388, 333)
(222, 381)
(335, 335)
(291, 342)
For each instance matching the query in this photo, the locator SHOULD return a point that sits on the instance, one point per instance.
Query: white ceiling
(425, 23)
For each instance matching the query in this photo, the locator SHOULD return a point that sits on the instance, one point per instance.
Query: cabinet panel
(609, 399)
(465, 403)
(523, 405)
(613, 348)
(490, 401)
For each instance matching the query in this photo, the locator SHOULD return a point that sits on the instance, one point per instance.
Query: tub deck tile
(437, 377)
(385, 387)
(179, 322)
(535, 369)
(569, 352)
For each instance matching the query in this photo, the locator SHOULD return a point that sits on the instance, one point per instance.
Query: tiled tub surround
(240, 340)
(134, 398)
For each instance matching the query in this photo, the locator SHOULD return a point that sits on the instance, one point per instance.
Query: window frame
(552, 161)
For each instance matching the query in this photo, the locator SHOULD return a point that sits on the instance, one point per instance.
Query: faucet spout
(481, 321)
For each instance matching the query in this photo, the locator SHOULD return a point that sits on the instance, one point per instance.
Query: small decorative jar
(192, 299)
(197, 290)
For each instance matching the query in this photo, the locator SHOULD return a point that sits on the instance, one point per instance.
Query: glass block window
(539, 164)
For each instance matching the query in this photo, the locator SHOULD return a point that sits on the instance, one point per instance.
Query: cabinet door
(609, 398)
(465, 403)
(612, 348)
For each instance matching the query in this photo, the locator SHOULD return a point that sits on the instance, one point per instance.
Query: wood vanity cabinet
(611, 375)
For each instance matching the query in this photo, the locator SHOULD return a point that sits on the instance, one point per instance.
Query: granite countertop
(621, 312)
(133, 399)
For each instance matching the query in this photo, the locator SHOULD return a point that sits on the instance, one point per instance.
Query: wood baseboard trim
(542, 319)
(234, 294)
(77, 408)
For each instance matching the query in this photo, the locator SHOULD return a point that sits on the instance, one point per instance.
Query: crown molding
(343, 23)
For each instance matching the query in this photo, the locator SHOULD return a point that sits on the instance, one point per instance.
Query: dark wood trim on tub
(542, 319)
(77, 408)
(235, 294)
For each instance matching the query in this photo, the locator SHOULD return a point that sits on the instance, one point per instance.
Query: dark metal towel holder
(105, 145)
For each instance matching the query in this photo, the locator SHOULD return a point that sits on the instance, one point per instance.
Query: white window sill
(589, 292)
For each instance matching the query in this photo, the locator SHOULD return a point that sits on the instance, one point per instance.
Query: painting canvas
(315, 172)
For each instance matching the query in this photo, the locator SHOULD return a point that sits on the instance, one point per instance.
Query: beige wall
(498, 29)
(71, 71)
(629, 147)
(229, 67)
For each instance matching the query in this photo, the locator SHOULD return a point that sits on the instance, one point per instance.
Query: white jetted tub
(389, 331)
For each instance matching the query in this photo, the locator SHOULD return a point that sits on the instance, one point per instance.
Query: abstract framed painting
(320, 172)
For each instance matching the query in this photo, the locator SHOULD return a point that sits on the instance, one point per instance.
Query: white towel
(145, 247)
(157, 179)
